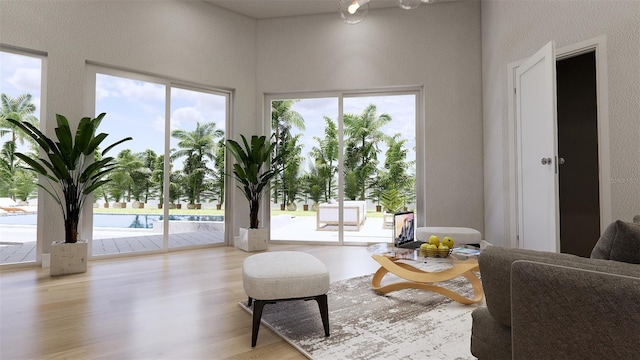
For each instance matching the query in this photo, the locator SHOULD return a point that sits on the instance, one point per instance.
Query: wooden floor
(181, 305)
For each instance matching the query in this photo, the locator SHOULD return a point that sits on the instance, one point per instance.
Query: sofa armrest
(569, 313)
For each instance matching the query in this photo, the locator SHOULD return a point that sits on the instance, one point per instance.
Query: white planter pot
(253, 239)
(68, 258)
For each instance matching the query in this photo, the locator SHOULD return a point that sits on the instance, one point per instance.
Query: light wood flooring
(180, 305)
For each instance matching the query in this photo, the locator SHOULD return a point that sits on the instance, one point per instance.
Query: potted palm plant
(72, 176)
(392, 201)
(252, 172)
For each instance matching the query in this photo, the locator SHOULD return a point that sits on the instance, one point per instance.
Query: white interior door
(536, 136)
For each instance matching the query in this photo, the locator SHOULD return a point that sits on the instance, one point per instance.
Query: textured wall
(513, 30)
(435, 46)
(187, 40)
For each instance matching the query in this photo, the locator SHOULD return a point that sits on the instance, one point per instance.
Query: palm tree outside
(13, 182)
(198, 147)
(127, 174)
(325, 155)
(283, 121)
(20, 108)
(364, 135)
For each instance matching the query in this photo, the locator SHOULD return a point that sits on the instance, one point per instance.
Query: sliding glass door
(21, 84)
(305, 130)
(197, 168)
(378, 164)
(168, 188)
(349, 162)
(123, 214)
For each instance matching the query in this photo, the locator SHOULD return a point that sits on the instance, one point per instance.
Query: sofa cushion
(495, 268)
(619, 242)
(489, 339)
(561, 312)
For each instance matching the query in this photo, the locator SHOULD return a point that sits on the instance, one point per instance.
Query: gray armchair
(558, 306)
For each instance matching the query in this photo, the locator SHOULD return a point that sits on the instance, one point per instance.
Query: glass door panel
(20, 81)
(196, 190)
(126, 217)
(303, 197)
(379, 164)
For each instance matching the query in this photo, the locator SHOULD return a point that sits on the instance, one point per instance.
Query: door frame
(599, 45)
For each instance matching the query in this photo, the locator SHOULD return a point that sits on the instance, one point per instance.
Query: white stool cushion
(460, 235)
(284, 275)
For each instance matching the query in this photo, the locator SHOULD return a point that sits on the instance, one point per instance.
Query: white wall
(187, 40)
(436, 46)
(513, 30)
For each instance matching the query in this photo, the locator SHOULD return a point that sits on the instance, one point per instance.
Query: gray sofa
(543, 305)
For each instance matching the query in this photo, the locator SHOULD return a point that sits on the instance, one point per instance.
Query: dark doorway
(578, 146)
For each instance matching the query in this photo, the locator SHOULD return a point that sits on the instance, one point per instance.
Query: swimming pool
(115, 220)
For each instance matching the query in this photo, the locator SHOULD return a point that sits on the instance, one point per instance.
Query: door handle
(545, 161)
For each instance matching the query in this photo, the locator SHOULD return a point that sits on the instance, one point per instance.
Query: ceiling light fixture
(354, 11)
(410, 4)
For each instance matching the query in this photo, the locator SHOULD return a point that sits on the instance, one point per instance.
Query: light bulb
(353, 7)
(353, 11)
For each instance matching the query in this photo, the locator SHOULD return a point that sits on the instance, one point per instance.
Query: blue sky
(136, 108)
(20, 74)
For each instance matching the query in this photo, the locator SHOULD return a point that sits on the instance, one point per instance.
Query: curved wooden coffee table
(423, 280)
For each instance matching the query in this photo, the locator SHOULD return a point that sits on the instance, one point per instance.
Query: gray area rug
(406, 324)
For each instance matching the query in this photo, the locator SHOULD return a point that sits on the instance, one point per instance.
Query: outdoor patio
(107, 242)
(304, 228)
(18, 242)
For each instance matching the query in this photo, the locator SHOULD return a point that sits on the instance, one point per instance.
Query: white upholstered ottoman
(284, 275)
(461, 235)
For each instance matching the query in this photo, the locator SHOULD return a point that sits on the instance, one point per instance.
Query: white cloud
(138, 90)
(101, 92)
(206, 102)
(186, 117)
(27, 80)
(158, 124)
(133, 90)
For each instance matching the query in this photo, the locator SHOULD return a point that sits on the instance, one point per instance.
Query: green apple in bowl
(443, 250)
(447, 240)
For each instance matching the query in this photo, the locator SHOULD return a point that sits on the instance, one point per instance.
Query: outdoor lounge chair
(355, 213)
(12, 209)
(10, 206)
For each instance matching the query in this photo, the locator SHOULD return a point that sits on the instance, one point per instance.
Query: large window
(21, 89)
(351, 152)
(168, 189)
